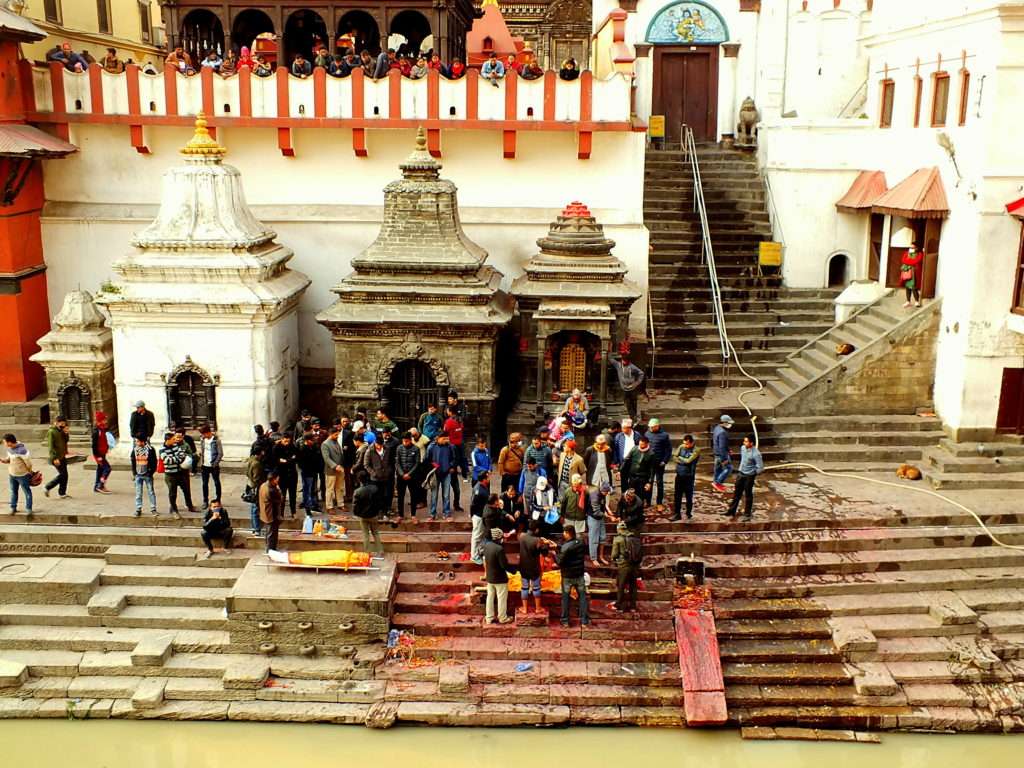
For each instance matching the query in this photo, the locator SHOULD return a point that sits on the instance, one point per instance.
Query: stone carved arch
(191, 395)
(74, 400)
(191, 367)
(410, 350)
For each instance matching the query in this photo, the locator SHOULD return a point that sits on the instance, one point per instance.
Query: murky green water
(127, 744)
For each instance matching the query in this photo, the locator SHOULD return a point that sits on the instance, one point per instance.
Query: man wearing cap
(661, 447)
(622, 446)
(100, 448)
(176, 474)
(142, 422)
(597, 514)
(627, 554)
(720, 448)
(496, 568)
(573, 505)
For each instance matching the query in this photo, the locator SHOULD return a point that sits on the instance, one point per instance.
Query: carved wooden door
(413, 387)
(191, 406)
(572, 368)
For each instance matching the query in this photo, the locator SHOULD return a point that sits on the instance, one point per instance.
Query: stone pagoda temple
(574, 303)
(78, 358)
(203, 312)
(421, 312)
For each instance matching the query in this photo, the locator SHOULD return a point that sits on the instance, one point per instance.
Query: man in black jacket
(496, 569)
(216, 525)
(407, 464)
(310, 462)
(348, 454)
(364, 507)
(631, 511)
(531, 547)
(283, 461)
(570, 558)
(142, 422)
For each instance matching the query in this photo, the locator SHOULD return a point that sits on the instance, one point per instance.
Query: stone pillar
(604, 372)
(540, 372)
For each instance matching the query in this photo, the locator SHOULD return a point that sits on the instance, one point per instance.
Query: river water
(156, 744)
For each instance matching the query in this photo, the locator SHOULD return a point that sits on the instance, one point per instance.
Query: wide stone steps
(590, 694)
(169, 576)
(462, 603)
(50, 638)
(565, 649)
(774, 650)
(470, 625)
(172, 618)
(954, 578)
(821, 563)
(786, 673)
(143, 595)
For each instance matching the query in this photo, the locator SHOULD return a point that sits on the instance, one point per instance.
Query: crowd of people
(340, 64)
(544, 492)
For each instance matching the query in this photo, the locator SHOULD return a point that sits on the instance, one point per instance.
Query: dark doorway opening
(1011, 402)
(686, 90)
(191, 398)
(362, 29)
(304, 32)
(201, 32)
(412, 388)
(838, 271)
(414, 27)
(248, 24)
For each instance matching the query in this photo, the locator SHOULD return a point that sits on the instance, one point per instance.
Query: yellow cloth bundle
(336, 558)
(550, 581)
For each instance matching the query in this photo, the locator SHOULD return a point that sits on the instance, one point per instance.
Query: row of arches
(304, 31)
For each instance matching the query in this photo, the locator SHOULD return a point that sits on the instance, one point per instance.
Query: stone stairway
(997, 463)
(893, 359)
(766, 320)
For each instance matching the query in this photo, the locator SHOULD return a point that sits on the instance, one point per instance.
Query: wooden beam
(135, 131)
(284, 134)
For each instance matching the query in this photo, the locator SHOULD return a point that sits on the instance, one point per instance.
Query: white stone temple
(203, 312)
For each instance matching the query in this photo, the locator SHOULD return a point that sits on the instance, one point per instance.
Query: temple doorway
(411, 389)
(1010, 417)
(75, 402)
(304, 32)
(414, 27)
(191, 397)
(361, 28)
(201, 32)
(248, 24)
(572, 355)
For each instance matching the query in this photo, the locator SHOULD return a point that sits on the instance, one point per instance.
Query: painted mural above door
(687, 23)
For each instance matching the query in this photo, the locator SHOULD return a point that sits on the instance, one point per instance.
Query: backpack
(634, 550)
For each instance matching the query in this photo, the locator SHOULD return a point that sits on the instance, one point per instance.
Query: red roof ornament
(576, 209)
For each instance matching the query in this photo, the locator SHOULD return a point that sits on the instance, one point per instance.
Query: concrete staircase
(766, 321)
(27, 421)
(997, 464)
(810, 377)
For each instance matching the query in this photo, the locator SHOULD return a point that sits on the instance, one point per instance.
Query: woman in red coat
(911, 268)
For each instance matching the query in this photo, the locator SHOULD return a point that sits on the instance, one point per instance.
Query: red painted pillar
(23, 305)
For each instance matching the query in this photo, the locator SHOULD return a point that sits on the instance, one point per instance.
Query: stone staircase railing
(890, 370)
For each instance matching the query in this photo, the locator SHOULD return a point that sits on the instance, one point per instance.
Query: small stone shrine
(204, 311)
(421, 312)
(78, 358)
(574, 303)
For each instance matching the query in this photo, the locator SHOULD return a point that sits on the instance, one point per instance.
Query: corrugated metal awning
(919, 196)
(19, 140)
(866, 188)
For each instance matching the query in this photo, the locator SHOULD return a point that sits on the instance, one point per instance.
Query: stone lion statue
(746, 129)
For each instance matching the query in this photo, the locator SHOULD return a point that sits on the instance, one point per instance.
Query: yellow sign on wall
(770, 254)
(656, 126)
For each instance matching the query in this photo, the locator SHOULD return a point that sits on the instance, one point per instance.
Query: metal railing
(654, 341)
(707, 250)
(773, 212)
(862, 88)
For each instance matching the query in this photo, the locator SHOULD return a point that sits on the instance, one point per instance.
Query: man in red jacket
(454, 428)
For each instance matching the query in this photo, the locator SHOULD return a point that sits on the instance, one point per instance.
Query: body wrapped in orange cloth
(328, 558)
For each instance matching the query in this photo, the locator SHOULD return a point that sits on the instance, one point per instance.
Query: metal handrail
(654, 341)
(773, 212)
(862, 87)
(707, 251)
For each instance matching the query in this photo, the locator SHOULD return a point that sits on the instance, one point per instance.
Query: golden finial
(202, 144)
(421, 139)
(485, 3)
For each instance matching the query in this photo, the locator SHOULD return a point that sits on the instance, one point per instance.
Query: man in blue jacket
(442, 457)
(661, 445)
(720, 449)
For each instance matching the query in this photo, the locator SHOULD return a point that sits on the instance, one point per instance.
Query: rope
(793, 465)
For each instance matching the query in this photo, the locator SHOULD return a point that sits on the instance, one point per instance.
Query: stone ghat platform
(841, 606)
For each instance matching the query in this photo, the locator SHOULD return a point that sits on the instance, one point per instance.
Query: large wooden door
(686, 90)
(413, 387)
(1011, 402)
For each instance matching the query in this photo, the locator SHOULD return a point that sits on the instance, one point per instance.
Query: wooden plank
(700, 667)
(704, 708)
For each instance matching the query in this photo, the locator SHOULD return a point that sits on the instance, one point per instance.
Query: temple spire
(202, 144)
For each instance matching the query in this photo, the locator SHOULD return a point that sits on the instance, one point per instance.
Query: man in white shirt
(625, 442)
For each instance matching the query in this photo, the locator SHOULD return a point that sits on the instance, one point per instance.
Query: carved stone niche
(78, 358)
